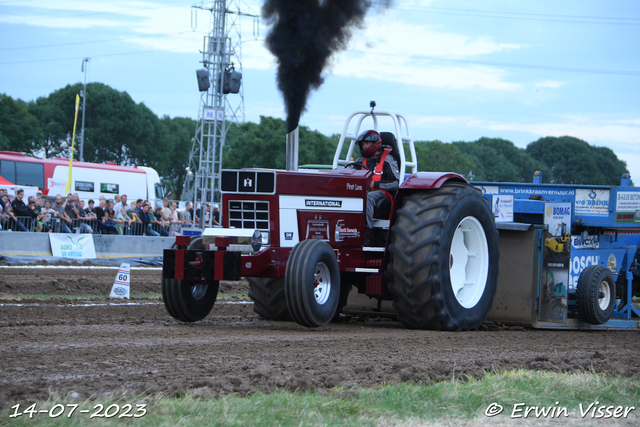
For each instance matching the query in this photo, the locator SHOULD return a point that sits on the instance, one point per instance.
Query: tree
(436, 156)
(179, 134)
(53, 138)
(119, 130)
(612, 167)
(497, 159)
(574, 161)
(19, 129)
(263, 145)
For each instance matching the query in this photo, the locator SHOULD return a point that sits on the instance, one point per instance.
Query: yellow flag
(73, 139)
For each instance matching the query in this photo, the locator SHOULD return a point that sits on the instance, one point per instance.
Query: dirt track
(106, 348)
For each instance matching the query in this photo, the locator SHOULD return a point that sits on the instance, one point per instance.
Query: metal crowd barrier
(25, 221)
(76, 225)
(135, 229)
(55, 224)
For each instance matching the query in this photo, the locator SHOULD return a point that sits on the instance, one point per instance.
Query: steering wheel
(355, 164)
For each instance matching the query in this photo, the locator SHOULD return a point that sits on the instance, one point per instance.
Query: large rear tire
(190, 300)
(268, 297)
(312, 283)
(443, 268)
(596, 294)
(345, 290)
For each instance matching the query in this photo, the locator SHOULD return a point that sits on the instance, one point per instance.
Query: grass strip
(455, 402)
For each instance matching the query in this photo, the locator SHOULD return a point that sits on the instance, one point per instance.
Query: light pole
(84, 105)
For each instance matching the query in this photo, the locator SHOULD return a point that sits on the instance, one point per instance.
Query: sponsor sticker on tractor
(318, 230)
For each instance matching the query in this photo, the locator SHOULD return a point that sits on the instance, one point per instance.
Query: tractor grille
(243, 214)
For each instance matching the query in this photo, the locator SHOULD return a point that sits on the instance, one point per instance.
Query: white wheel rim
(604, 295)
(469, 262)
(321, 283)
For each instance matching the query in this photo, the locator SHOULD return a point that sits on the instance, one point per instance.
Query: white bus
(89, 180)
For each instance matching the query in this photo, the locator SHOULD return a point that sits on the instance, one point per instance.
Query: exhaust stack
(292, 150)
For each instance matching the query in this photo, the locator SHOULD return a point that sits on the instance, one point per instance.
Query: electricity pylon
(221, 52)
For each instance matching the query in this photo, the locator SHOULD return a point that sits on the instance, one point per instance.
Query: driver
(385, 173)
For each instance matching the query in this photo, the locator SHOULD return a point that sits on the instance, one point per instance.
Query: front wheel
(190, 300)
(596, 294)
(312, 283)
(443, 268)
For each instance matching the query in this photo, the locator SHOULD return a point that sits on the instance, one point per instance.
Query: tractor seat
(382, 209)
(389, 140)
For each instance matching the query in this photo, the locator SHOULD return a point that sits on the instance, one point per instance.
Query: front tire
(190, 300)
(596, 294)
(312, 283)
(443, 268)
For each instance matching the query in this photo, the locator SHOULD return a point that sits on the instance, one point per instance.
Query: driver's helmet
(374, 137)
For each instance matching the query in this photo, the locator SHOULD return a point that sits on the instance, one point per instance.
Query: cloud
(453, 77)
(256, 56)
(168, 24)
(407, 53)
(403, 53)
(78, 13)
(635, 122)
(403, 39)
(548, 83)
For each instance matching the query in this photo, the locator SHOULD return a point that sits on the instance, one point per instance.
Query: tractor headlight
(266, 238)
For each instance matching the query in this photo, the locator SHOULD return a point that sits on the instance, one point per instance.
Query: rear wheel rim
(321, 283)
(469, 262)
(604, 295)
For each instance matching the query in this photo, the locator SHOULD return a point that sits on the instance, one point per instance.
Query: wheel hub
(322, 283)
(470, 251)
(604, 295)
(199, 290)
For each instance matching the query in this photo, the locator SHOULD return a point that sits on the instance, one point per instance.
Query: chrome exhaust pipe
(292, 150)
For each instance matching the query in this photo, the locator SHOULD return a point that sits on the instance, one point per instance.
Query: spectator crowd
(111, 216)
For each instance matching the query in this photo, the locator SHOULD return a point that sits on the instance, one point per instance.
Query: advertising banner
(628, 207)
(592, 202)
(502, 208)
(72, 245)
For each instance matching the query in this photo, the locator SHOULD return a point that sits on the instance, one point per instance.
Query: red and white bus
(89, 180)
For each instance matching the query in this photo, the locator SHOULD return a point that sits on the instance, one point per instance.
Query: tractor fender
(426, 180)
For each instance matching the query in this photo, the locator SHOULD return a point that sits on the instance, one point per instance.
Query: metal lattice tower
(217, 111)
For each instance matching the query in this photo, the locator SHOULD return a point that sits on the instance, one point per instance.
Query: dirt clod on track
(111, 348)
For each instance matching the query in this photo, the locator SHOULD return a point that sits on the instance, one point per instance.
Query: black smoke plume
(304, 35)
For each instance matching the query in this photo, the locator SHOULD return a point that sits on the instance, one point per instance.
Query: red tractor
(298, 238)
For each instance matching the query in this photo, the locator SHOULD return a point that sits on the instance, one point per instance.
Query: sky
(458, 70)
